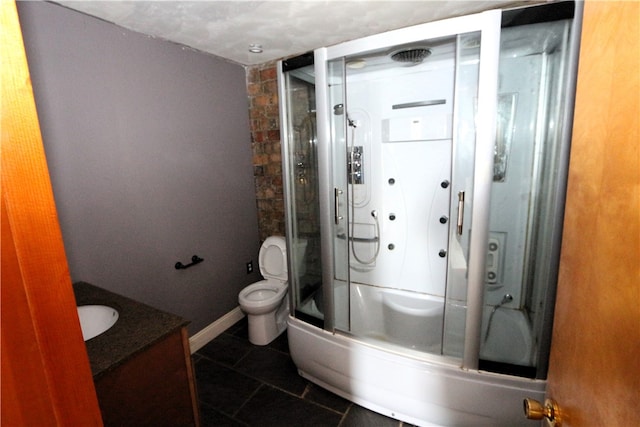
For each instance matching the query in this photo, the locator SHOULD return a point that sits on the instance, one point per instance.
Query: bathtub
(398, 378)
(394, 316)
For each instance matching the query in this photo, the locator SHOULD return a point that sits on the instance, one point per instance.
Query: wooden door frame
(46, 376)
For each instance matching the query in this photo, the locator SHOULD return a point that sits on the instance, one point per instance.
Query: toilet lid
(273, 258)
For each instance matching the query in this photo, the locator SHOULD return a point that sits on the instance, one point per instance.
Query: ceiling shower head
(413, 55)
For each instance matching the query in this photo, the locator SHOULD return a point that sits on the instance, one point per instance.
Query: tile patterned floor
(240, 384)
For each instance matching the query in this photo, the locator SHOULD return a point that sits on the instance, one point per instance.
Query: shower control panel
(355, 165)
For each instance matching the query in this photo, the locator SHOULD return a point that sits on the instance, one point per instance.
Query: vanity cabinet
(141, 366)
(153, 388)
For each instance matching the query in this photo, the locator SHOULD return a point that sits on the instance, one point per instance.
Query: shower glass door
(339, 293)
(393, 139)
(527, 195)
(300, 167)
(401, 119)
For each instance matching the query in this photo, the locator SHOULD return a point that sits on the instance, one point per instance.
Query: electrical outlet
(250, 267)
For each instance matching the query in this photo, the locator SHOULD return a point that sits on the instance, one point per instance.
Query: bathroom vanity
(142, 365)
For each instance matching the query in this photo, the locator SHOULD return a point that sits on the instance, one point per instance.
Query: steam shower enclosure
(425, 171)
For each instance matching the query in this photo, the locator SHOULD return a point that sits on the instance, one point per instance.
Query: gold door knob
(550, 412)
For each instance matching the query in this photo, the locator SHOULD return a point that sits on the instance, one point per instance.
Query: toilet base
(264, 328)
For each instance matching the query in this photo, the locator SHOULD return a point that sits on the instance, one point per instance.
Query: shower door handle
(460, 211)
(336, 210)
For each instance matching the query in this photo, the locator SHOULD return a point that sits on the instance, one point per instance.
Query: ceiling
(282, 28)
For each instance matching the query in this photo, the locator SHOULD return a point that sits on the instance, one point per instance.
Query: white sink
(96, 319)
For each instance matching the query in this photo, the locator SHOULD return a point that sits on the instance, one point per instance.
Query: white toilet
(264, 302)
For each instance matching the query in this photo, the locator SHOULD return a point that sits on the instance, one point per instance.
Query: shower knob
(443, 219)
(442, 253)
(444, 184)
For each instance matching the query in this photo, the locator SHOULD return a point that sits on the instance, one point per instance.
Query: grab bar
(358, 239)
(194, 260)
(460, 211)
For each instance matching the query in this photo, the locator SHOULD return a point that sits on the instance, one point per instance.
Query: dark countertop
(138, 327)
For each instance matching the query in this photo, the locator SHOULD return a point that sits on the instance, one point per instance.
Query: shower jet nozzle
(338, 109)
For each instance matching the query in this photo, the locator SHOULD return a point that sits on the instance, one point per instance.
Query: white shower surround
(414, 149)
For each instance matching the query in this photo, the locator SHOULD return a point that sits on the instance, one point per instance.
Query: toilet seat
(272, 259)
(262, 294)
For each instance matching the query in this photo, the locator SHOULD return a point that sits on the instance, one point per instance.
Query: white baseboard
(202, 337)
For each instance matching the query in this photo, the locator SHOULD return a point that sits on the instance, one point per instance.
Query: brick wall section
(262, 89)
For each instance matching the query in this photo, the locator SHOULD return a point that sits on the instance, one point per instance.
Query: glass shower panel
(395, 210)
(532, 70)
(298, 115)
(467, 74)
(339, 295)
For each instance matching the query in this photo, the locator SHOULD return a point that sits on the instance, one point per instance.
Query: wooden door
(46, 378)
(594, 372)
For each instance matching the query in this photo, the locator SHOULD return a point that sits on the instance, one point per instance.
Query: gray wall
(149, 153)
